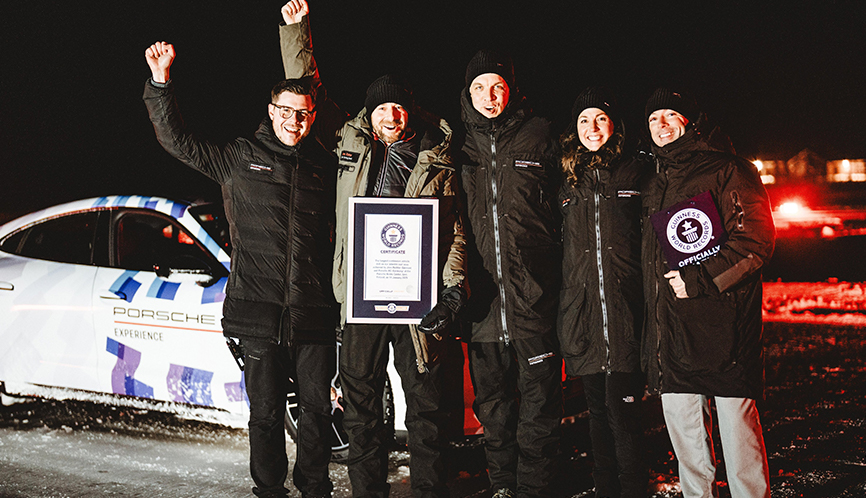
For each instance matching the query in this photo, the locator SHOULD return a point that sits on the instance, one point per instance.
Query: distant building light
(767, 179)
(790, 208)
(758, 164)
(846, 170)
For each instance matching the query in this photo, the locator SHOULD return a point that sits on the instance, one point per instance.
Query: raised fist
(159, 57)
(294, 11)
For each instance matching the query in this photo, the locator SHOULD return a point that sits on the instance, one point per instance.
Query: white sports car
(122, 296)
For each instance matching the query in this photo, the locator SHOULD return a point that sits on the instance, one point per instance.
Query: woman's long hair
(576, 158)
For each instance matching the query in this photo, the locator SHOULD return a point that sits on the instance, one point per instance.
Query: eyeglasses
(287, 112)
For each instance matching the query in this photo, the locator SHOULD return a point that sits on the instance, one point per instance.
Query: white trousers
(690, 426)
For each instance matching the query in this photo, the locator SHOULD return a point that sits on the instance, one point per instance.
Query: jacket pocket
(537, 281)
(705, 340)
(337, 278)
(572, 306)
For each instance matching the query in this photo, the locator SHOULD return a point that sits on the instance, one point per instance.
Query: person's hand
(677, 284)
(445, 311)
(294, 11)
(159, 57)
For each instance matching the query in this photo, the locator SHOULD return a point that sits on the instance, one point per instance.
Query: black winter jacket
(709, 343)
(601, 303)
(508, 173)
(279, 204)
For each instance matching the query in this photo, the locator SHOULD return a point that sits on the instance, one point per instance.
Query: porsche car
(119, 295)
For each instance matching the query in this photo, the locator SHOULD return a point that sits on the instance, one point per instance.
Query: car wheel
(337, 438)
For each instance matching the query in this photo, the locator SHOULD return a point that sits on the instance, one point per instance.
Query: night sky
(72, 123)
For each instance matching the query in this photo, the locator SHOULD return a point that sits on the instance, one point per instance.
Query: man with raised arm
(390, 149)
(278, 192)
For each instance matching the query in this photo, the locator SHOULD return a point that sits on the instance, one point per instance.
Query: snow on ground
(829, 303)
(181, 410)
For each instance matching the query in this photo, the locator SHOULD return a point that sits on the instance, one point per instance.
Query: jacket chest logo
(627, 193)
(261, 167)
(349, 156)
(522, 163)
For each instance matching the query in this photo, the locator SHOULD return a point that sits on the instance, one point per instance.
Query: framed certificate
(391, 261)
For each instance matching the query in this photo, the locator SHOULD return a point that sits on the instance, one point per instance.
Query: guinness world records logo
(690, 230)
(393, 235)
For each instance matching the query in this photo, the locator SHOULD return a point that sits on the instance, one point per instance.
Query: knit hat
(490, 61)
(665, 98)
(388, 88)
(598, 97)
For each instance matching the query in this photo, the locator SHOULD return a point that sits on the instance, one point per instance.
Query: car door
(160, 336)
(46, 277)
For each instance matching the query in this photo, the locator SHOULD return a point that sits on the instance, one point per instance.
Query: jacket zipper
(656, 263)
(497, 241)
(598, 258)
(284, 339)
(383, 171)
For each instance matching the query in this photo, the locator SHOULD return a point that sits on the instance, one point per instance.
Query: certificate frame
(391, 262)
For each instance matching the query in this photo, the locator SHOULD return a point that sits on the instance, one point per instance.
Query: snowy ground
(813, 416)
(836, 303)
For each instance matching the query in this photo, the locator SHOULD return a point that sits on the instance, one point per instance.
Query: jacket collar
(515, 111)
(265, 134)
(682, 150)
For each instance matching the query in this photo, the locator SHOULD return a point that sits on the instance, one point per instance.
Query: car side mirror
(186, 269)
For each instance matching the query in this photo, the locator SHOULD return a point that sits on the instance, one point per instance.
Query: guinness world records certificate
(391, 262)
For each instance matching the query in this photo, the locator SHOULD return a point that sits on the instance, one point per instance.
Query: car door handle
(112, 295)
(6, 286)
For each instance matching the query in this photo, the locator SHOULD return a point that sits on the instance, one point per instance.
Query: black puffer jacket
(709, 343)
(601, 303)
(508, 171)
(279, 204)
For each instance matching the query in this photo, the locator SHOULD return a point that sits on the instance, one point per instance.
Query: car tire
(337, 438)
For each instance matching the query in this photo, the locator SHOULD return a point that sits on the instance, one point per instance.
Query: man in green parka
(390, 149)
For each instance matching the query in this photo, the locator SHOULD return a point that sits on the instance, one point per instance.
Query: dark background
(777, 78)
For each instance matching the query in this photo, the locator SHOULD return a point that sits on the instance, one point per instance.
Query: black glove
(445, 311)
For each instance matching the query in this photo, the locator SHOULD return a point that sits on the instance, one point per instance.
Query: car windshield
(213, 219)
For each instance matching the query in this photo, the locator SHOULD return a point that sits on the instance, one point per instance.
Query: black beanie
(665, 98)
(598, 97)
(388, 88)
(490, 61)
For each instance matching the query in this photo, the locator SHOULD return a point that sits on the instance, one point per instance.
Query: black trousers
(616, 432)
(518, 400)
(266, 372)
(363, 364)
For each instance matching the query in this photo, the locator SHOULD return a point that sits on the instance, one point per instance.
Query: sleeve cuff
(691, 275)
(160, 85)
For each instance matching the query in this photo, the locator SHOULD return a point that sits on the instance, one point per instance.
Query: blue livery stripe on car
(237, 391)
(177, 210)
(215, 293)
(161, 289)
(125, 287)
(208, 241)
(189, 385)
(123, 375)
